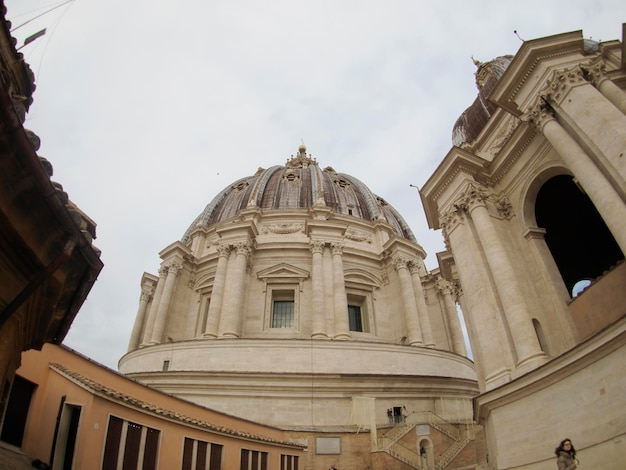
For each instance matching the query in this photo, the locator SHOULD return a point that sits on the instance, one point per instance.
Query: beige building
(532, 203)
(75, 413)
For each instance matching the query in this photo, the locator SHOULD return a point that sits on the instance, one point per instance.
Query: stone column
(420, 302)
(487, 332)
(156, 300)
(340, 298)
(217, 293)
(446, 290)
(414, 331)
(230, 321)
(596, 74)
(318, 320)
(173, 270)
(522, 331)
(147, 290)
(608, 202)
(596, 124)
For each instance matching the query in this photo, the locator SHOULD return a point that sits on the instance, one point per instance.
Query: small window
(354, 317)
(166, 366)
(282, 309)
(358, 313)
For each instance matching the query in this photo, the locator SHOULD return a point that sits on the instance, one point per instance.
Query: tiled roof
(128, 400)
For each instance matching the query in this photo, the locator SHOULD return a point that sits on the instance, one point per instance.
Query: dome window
(291, 176)
(342, 183)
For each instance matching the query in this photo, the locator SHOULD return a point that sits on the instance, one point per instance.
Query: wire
(41, 14)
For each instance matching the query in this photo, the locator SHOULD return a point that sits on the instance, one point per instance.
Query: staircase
(388, 442)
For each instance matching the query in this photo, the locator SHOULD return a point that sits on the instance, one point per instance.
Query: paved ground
(12, 458)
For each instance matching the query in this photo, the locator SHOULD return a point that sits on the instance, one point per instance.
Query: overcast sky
(148, 108)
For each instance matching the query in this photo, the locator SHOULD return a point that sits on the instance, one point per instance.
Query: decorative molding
(357, 236)
(283, 228)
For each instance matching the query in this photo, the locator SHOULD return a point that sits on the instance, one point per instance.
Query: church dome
(473, 120)
(300, 184)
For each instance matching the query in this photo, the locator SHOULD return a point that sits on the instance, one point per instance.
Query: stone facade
(531, 202)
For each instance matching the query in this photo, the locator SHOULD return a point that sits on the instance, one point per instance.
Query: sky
(147, 109)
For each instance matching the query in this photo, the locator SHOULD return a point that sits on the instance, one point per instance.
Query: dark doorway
(17, 411)
(580, 242)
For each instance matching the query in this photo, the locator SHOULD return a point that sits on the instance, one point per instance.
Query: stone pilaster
(340, 299)
(446, 290)
(414, 331)
(147, 291)
(420, 302)
(154, 306)
(217, 293)
(318, 320)
(174, 269)
(230, 321)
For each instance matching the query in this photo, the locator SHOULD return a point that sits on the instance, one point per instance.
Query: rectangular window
(289, 462)
(130, 446)
(354, 318)
(253, 460)
(282, 309)
(201, 455)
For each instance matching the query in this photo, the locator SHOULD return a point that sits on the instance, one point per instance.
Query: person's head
(566, 446)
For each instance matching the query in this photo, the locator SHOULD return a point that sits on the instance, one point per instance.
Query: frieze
(283, 228)
(358, 236)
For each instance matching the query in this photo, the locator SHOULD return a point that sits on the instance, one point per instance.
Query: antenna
(40, 15)
(518, 36)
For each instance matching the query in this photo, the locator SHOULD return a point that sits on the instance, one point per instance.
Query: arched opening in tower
(580, 242)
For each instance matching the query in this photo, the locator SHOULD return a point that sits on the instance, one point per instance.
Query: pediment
(283, 271)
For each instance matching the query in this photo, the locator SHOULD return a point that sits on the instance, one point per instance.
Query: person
(332, 467)
(390, 415)
(566, 455)
(405, 413)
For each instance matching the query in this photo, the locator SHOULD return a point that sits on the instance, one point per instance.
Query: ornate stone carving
(504, 134)
(174, 268)
(283, 228)
(594, 72)
(504, 206)
(223, 250)
(317, 246)
(358, 236)
(560, 82)
(336, 248)
(539, 114)
(243, 248)
(401, 262)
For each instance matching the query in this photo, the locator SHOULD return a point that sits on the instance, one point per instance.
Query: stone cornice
(525, 64)
(457, 162)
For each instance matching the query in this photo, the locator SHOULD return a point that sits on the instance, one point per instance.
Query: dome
(300, 184)
(471, 122)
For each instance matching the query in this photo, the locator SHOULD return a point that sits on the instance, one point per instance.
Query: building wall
(61, 374)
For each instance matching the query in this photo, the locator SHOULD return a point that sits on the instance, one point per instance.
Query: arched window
(580, 242)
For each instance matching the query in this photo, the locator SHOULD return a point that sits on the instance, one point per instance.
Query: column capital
(401, 262)
(561, 82)
(416, 268)
(317, 246)
(147, 291)
(336, 248)
(223, 250)
(539, 114)
(243, 248)
(594, 71)
(174, 267)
